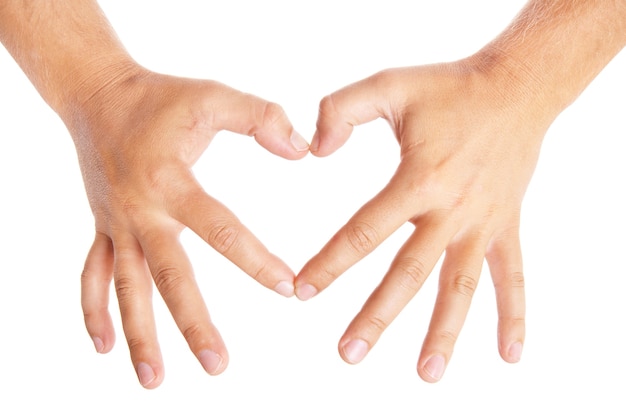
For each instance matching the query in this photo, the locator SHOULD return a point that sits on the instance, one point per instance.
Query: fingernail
(98, 344)
(298, 142)
(284, 288)
(305, 291)
(515, 352)
(355, 350)
(145, 373)
(315, 143)
(435, 367)
(211, 361)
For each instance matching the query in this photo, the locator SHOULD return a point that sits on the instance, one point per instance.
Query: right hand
(469, 141)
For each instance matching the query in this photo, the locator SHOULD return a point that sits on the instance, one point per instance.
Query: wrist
(518, 82)
(89, 82)
(553, 50)
(100, 92)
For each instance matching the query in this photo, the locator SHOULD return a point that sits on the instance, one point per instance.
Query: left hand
(137, 139)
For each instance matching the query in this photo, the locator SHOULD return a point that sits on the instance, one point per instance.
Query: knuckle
(261, 273)
(272, 113)
(91, 316)
(168, 280)
(447, 337)
(91, 274)
(193, 334)
(85, 276)
(130, 207)
(93, 313)
(375, 322)
(320, 273)
(386, 78)
(327, 272)
(510, 324)
(512, 281)
(125, 288)
(222, 237)
(411, 273)
(515, 320)
(464, 284)
(327, 106)
(361, 237)
(516, 280)
(136, 344)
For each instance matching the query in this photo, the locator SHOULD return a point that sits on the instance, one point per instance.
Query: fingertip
(276, 134)
(291, 146)
(305, 291)
(276, 275)
(285, 288)
(326, 143)
(98, 344)
(513, 353)
(150, 376)
(212, 362)
(100, 329)
(315, 144)
(354, 351)
(298, 142)
(433, 368)
(103, 342)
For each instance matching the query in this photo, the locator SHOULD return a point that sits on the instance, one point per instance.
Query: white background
(283, 352)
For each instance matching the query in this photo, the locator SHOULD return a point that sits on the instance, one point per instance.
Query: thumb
(339, 112)
(250, 115)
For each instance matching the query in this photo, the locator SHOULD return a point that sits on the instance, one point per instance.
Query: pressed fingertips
(315, 143)
(284, 288)
(212, 363)
(305, 291)
(298, 142)
(355, 350)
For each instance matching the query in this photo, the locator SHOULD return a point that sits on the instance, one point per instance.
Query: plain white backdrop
(283, 355)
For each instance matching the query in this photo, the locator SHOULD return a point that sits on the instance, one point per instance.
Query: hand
(469, 141)
(137, 138)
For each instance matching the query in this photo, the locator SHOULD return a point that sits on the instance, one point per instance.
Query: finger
(133, 285)
(95, 283)
(339, 112)
(505, 263)
(266, 121)
(458, 280)
(369, 227)
(405, 277)
(223, 231)
(173, 276)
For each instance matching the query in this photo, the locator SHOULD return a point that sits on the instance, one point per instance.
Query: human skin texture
(470, 134)
(137, 134)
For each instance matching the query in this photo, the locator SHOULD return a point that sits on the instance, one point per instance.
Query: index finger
(366, 230)
(221, 229)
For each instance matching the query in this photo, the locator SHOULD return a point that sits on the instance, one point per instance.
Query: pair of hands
(469, 142)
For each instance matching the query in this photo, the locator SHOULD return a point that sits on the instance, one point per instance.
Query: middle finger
(410, 268)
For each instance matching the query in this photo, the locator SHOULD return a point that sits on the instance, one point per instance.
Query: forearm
(66, 48)
(555, 48)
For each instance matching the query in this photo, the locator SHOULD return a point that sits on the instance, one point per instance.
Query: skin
(470, 134)
(137, 135)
